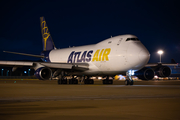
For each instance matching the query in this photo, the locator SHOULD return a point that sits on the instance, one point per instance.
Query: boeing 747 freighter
(123, 54)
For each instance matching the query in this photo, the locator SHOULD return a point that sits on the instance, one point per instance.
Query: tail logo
(45, 32)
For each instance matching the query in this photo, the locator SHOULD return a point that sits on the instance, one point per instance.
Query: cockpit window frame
(132, 39)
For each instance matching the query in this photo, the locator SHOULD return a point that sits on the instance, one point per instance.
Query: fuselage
(112, 56)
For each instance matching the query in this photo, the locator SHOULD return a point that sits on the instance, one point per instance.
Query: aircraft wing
(15, 63)
(75, 66)
(160, 64)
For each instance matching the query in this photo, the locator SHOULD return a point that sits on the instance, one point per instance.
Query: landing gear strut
(128, 80)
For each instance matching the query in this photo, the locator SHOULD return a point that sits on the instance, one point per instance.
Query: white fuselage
(112, 56)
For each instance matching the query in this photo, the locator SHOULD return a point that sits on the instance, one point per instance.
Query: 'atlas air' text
(86, 56)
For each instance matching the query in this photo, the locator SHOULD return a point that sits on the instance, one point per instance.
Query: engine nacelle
(43, 73)
(163, 71)
(145, 74)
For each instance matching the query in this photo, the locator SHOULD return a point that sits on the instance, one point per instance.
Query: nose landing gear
(129, 80)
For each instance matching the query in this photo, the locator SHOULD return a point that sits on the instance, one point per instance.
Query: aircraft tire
(110, 81)
(104, 81)
(88, 81)
(91, 81)
(62, 81)
(59, 81)
(131, 82)
(85, 81)
(127, 82)
(73, 81)
(107, 81)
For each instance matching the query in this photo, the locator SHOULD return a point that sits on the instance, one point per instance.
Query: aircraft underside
(67, 77)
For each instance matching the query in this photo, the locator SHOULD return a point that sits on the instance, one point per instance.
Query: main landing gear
(88, 80)
(107, 81)
(73, 81)
(128, 80)
(63, 80)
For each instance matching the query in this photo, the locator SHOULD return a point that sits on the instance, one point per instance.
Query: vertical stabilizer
(48, 43)
(173, 61)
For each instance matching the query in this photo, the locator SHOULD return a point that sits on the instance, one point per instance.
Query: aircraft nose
(144, 55)
(138, 55)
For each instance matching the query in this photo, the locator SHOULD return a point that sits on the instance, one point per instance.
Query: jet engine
(163, 71)
(145, 74)
(43, 73)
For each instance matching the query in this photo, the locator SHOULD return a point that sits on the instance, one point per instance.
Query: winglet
(48, 43)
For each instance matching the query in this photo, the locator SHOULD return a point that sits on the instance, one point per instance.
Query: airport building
(23, 72)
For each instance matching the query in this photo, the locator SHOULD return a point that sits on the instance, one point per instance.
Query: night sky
(80, 22)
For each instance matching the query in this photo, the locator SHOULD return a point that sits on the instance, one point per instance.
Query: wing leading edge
(163, 64)
(76, 66)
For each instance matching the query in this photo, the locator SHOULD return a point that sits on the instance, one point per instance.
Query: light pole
(160, 52)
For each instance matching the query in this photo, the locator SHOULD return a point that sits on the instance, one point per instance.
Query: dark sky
(80, 22)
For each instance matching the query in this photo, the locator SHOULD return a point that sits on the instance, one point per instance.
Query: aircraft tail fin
(48, 43)
(173, 61)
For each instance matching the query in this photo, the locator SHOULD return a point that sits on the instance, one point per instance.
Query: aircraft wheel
(110, 81)
(91, 81)
(59, 81)
(126, 82)
(88, 81)
(70, 81)
(104, 82)
(75, 81)
(62, 81)
(107, 81)
(131, 82)
(85, 81)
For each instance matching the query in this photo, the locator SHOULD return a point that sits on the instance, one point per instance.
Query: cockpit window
(133, 39)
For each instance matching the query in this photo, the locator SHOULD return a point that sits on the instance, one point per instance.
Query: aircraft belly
(99, 73)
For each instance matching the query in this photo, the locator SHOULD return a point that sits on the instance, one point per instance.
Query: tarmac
(44, 100)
